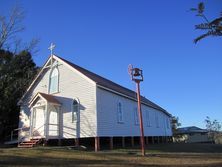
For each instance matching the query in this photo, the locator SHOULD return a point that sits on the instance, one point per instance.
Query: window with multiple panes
(168, 123)
(148, 118)
(75, 110)
(136, 116)
(119, 112)
(54, 81)
(157, 120)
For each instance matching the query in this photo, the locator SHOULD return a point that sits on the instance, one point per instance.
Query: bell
(136, 72)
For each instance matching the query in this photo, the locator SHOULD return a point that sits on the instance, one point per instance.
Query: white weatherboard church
(66, 101)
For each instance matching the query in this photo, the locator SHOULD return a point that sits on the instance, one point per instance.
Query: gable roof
(113, 86)
(50, 98)
(46, 97)
(100, 81)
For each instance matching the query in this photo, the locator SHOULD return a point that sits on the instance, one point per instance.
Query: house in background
(192, 134)
(66, 101)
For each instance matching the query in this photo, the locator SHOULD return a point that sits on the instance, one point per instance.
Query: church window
(54, 81)
(148, 118)
(119, 112)
(136, 116)
(75, 109)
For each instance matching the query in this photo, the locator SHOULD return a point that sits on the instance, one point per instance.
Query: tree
(212, 28)
(16, 73)
(10, 27)
(214, 127)
(17, 68)
(175, 123)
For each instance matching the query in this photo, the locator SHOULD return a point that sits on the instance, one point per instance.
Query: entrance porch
(45, 114)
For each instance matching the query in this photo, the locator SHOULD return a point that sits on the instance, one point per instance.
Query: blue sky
(105, 36)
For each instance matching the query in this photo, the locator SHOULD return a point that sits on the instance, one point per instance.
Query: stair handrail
(12, 133)
(36, 130)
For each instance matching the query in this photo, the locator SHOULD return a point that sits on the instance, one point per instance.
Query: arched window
(54, 81)
(157, 120)
(75, 109)
(119, 112)
(136, 116)
(148, 118)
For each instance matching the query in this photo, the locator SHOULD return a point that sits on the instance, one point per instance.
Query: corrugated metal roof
(113, 86)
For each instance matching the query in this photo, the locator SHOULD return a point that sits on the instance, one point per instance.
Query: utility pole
(137, 76)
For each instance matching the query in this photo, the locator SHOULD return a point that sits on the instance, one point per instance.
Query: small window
(148, 118)
(75, 109)
(157, 120)
(136, 117)
(167, 122)
(119, 113)
(54, 81)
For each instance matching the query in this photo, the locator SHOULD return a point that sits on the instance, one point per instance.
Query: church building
(68, 102)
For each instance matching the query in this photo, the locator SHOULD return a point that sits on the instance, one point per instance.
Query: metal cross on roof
(52, 46)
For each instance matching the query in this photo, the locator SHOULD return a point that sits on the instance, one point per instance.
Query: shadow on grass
(24, 161)
(185, 148)
(6, 161)
(160, 155)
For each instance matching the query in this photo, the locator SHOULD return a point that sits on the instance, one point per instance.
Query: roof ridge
(112, 85)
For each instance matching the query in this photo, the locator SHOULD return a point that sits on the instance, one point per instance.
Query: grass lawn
(193, 155)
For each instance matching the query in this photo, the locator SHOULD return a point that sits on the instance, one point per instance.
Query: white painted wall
(107, 117)
(71, 85)
(92, 123)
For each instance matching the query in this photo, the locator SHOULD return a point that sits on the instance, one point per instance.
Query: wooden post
(97, 144)
(158, 139)
(11, 135)
(123, 142)
(111, 143)
(132, 141)
(152, 140)
(147, 140)
(59, 142)
(45, 142)
(77, 142)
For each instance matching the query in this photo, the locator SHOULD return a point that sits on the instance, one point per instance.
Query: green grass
(193, 155)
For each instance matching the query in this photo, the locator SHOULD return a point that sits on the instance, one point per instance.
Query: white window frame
(50, 81)
(157, 119)
(148, 118)
(119, 112)
(75, 114)
(136, 116)
(167, 122)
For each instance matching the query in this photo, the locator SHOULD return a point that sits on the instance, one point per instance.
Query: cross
(52, 46)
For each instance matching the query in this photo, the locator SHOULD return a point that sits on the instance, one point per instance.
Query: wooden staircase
(29, 144)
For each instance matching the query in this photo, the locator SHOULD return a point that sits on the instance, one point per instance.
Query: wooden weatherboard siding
(71, 85)
(108, 124)
(99, 100)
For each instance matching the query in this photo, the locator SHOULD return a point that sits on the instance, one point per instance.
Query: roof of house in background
(190, 129)
(113, 86)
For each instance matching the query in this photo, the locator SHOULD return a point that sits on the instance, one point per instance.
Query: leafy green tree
(16, 73)
(211, 28)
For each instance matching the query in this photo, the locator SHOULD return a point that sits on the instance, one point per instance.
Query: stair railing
(37, 130)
